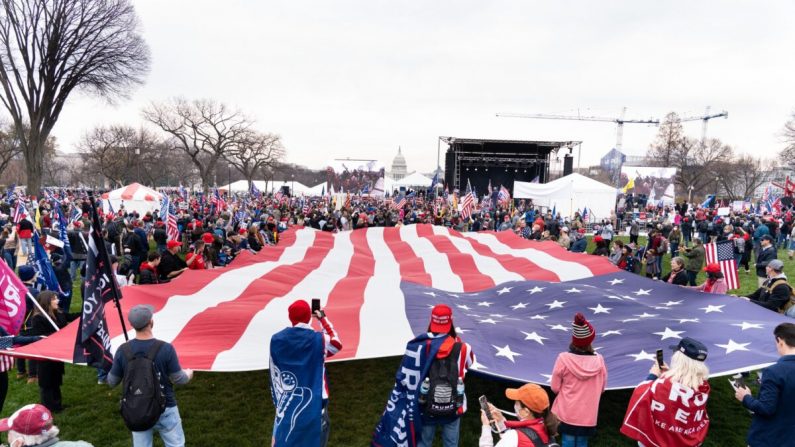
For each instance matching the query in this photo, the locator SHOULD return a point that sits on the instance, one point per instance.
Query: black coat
(680, 279)
(763, 258)
(50, 373)
(773, 299)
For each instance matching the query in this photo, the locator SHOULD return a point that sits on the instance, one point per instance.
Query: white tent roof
(266, 187)
(415, 179)
(316, 190)
(134, 197)
(569, 194)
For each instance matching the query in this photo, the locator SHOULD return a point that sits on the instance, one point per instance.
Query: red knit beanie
(582, 332)
(299, 312)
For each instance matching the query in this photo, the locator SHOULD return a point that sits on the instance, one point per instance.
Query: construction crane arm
(576, 118)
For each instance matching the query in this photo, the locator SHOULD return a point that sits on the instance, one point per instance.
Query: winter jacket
(148, 274)
(694, 258)
(775, 298)
(578, 381)
(718, 287)
(680, 278)
(774, 406)
(763, 258)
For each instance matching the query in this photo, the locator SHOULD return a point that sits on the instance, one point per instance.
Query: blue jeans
(449, 434)
(27, 246)
(169, 426)
(10, 258)
(573, 441)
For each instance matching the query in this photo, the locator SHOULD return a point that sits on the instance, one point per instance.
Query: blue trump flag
(296, 366)
(41, 263)
(401, 423)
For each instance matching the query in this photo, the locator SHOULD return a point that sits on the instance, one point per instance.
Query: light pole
(689, 193)
(138, 162)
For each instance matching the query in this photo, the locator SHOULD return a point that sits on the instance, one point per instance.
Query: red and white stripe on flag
(356, 275)
(722, 253)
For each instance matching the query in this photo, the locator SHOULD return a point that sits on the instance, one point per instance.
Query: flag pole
(101, 248)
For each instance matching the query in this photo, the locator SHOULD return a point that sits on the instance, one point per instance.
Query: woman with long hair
(677, 275)
(578, 378)
(670, 407)
(50, 372)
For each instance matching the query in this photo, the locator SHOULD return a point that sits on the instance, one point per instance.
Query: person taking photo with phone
(534, 427)
(670, 407)
(299, 386)
(775, 404)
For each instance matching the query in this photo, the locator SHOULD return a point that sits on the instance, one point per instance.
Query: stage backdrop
(658, 184)
(512, 299)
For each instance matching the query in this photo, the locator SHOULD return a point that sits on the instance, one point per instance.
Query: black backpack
(443, 380)
(536, 440)
(142, 398)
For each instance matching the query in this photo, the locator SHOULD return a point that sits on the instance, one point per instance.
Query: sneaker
(33, 380)
(102, 382)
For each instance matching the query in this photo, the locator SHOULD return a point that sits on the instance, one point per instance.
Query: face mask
(516, 408)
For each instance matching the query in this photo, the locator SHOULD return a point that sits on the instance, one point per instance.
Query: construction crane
(705, 119)
(620, 121)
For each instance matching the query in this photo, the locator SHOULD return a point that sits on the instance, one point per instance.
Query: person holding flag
(298, 378)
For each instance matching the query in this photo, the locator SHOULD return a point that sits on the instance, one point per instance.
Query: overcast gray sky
(359, 78)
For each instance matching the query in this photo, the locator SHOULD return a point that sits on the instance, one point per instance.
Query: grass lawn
(235, 408)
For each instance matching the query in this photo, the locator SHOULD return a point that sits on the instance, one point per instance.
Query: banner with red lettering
(12, 304)
(663, 413)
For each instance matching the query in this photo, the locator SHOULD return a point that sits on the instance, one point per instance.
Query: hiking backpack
(788, 308)
(142, 398)
(443, 378)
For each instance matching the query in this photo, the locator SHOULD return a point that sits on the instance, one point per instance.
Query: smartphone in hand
(315, 305)
(660, 361)
(484, 405)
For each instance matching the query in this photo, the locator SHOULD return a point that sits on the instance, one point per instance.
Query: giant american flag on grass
(722, 253)
(513, 300)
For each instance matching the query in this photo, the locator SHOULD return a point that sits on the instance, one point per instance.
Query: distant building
(399, 169)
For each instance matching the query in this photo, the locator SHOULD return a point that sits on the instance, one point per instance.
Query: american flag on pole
(467, 203)
(400, 202)
(167, 215)
(217, 200)
(722, 253)
(503, 196)
(513, 300)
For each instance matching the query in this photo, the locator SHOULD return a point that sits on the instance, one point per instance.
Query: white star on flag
(555, 304)
(539, 317)
(461, 330)
(485, 304)
(506, 352)
(732, 346)
(558, 327)
(646, 315)
(710, 308)
(613, 332)
(463, 307)
(547, 376)
(488, 320)
(431, 293)
(616, 281)
(519, 306)
(668, 333)
(534, 336)
(744, 325)
(477, 366)
(504, 290)
(640, 292)
(688, 320)
(535, 290)
(671, 303)
(643, 355)
(497, 315)
(600, 310)
(573, 290)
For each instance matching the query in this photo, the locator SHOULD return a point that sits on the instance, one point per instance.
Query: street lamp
(138, 162)
(689, 193)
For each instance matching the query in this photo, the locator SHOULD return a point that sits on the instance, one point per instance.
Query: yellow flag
(630, 185)
(38, 218)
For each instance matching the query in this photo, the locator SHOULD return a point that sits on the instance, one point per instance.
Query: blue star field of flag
(517, 329)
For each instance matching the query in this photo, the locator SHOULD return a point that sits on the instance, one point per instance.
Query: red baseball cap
(712, 268)
(208, 238)
(172, 244)
(441, 319)
(299, 312)
(31, 420)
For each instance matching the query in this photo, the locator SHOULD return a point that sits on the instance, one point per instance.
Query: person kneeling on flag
(531, 404)
(299, 386)
(670, 407)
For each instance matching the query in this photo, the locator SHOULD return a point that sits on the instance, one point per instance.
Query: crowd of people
(213, 234)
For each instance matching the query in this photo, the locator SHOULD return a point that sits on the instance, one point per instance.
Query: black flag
(93, 340)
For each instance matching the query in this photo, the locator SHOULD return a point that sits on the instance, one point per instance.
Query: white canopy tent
(569, 194)
(415, 179)
(317, 190)
(134, 197)
(266, 187)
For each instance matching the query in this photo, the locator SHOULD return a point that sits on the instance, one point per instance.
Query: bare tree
(50, 48)
(254, 153)
(788, 154)
(9, 145)
(742, 176)
(669, 142)
(204, 129)
(118, 152)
